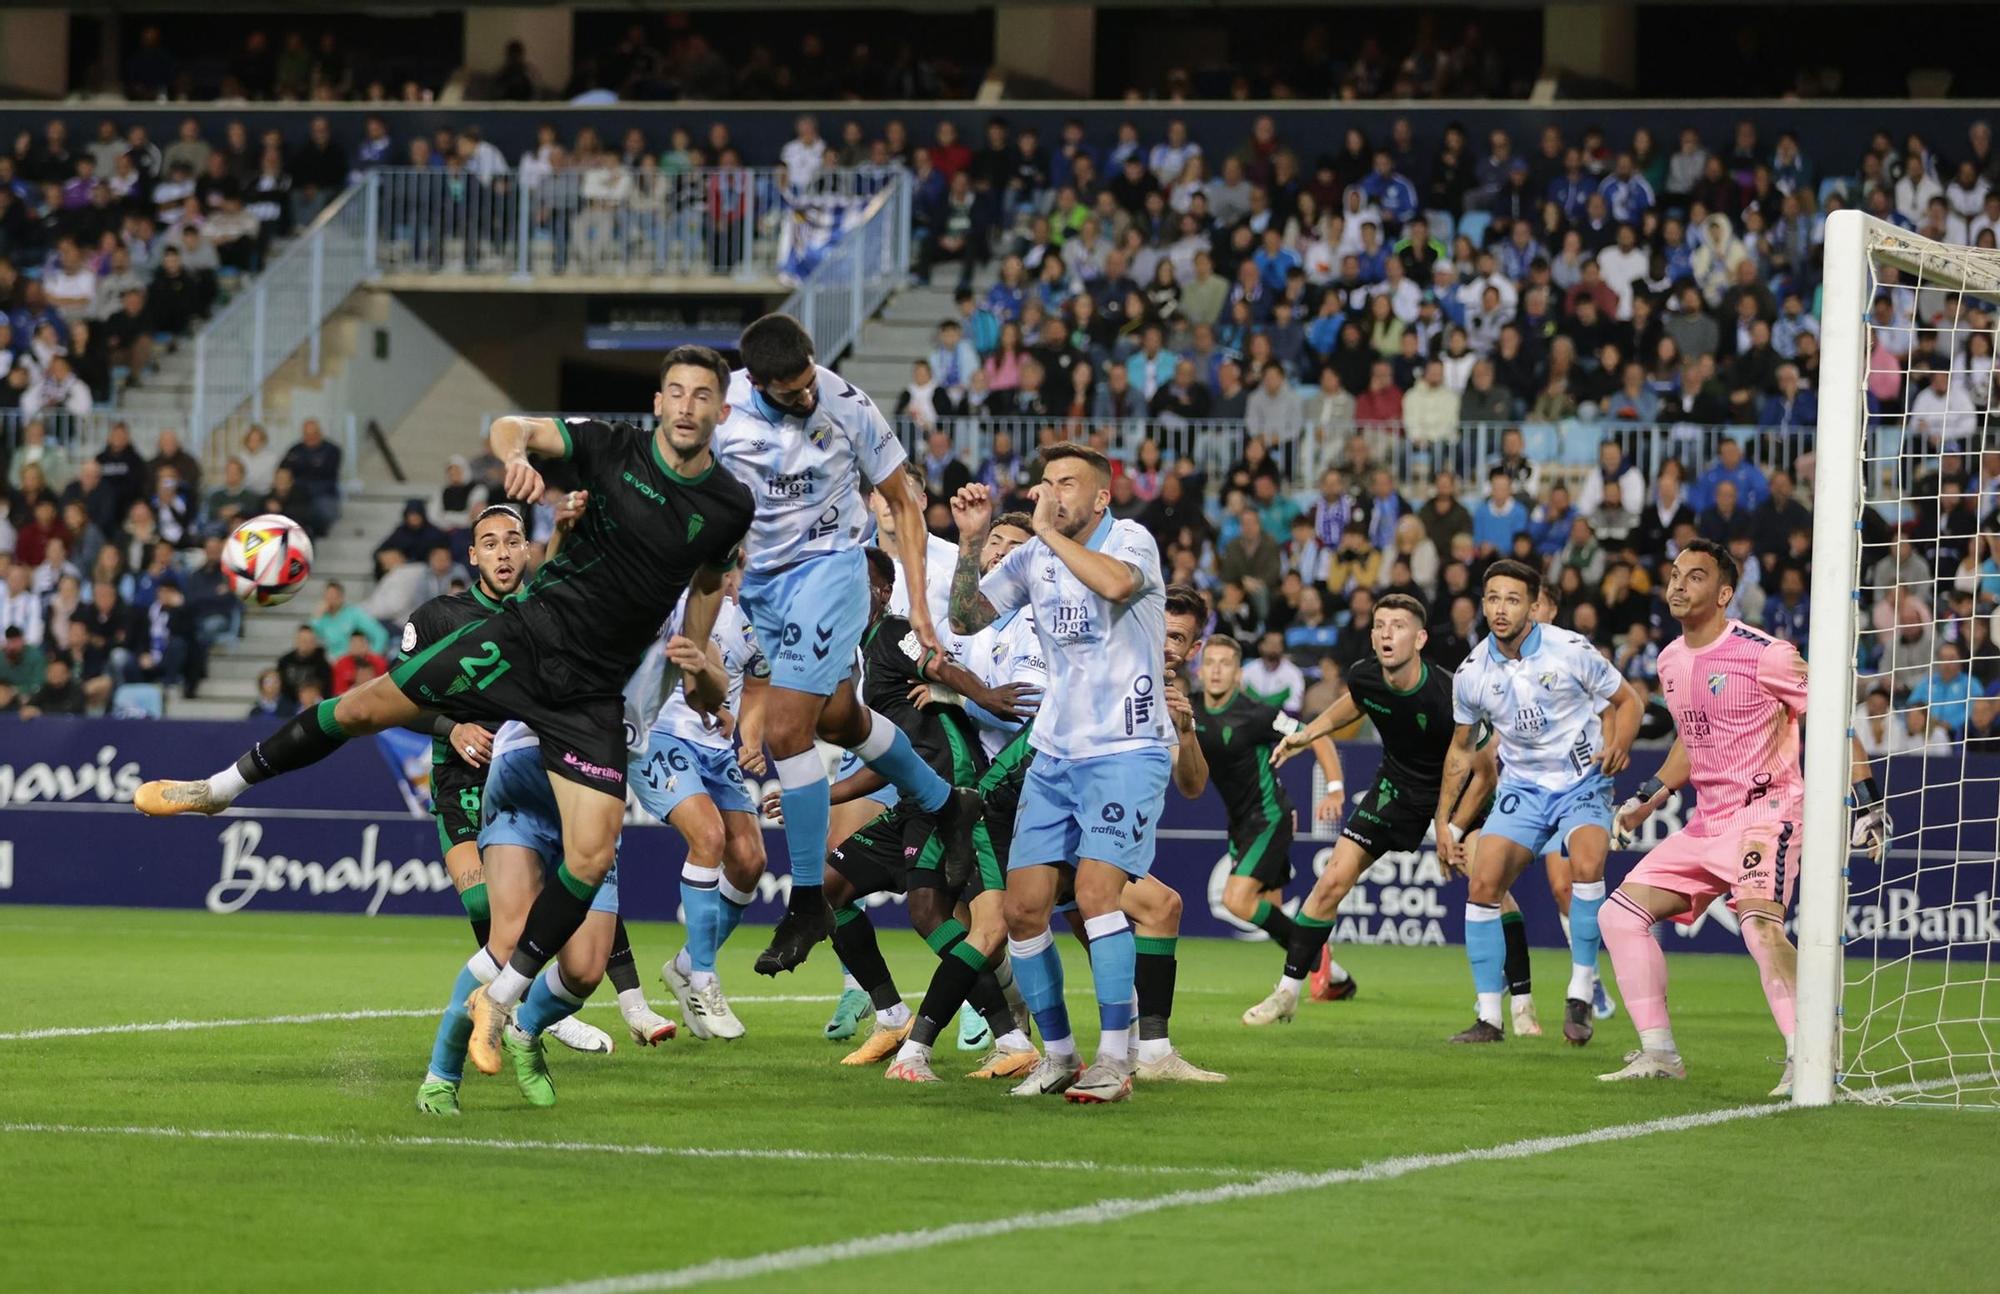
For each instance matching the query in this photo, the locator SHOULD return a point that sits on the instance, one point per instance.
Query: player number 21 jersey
(1543, 706)
(805, 476)
(1105, 660)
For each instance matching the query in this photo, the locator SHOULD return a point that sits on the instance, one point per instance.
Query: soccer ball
(267, 559)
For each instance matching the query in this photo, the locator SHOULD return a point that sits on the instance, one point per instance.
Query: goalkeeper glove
(1872, 827)
(1640, 806)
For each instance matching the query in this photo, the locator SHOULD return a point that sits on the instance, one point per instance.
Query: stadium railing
(736, 223)
(1561, 451)
(865, 263)
(279, 312)
(1566, 449)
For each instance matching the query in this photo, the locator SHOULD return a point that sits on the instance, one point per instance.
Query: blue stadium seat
(1442, 225)
(1474, 226)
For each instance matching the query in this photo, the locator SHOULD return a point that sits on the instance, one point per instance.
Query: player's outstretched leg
(304, 739)
(1642, 980)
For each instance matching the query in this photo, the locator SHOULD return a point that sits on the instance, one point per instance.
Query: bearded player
(462, 753)
(660, 520)
(805, 441)
(1093, 796)
(1737, 696)
(1565, 720)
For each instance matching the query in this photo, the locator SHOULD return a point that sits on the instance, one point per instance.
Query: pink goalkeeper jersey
(1737, 704)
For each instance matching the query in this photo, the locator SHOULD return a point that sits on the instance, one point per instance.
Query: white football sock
(914, 1050)
(1658, 1040)
(849, 982)
(632, 1002)
(1489, 1008)
(1152, 1049)
(1063, 1048)
(701, 979)
(892, 1017)
(227, 785)
(1582, 982)
(1293, 986)
(1335, 972)
(1013, 1040)
(508, 987)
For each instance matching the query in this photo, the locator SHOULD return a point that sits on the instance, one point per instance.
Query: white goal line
(1101, 1212)
(360, 1141)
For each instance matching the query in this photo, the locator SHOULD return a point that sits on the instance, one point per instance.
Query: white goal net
(1898, 994)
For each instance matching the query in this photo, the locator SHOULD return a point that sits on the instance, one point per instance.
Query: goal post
(1895, 1009)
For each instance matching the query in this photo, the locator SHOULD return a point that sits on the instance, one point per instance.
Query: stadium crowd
(111, 563)
(1330, 375)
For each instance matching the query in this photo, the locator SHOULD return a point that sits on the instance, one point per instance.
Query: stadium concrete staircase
(346, 555)
(904, 332)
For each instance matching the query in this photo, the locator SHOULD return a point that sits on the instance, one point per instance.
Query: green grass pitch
(347, 1188)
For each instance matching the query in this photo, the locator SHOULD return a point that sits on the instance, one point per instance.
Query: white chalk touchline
(364, 1142)
(1117, 1209)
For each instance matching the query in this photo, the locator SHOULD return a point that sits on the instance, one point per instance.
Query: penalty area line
(639, 1150)
(1115, 1209)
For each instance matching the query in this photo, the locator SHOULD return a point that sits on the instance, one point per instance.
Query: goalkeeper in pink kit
(1737, 695)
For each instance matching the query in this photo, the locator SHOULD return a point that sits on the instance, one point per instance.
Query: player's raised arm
(513, 438)
(1308, 736)
(1457, 767)
(972, 513)
(707, 681)
(1673, 775)
(912, 541)
(1108, 575)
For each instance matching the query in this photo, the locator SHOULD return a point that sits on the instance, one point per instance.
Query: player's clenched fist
(972, 509)
(522, 481)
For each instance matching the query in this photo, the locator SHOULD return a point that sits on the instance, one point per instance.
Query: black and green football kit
(557, 655)
(1236, 739)
(1394, 813)
(900, 848)
(456, 786)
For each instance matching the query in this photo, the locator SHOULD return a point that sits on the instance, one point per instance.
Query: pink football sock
(1636, 960)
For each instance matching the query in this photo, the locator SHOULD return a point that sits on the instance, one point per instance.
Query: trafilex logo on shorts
(645, 489)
